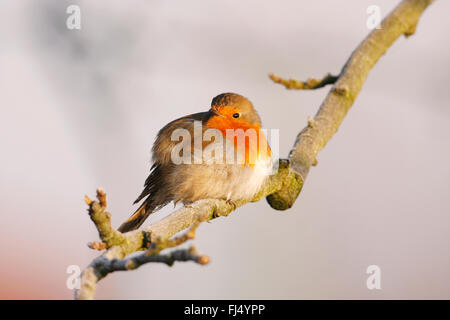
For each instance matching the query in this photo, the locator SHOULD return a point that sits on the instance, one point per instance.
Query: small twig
(97, 245)
(160, 244)
(102, 220)
(309, 84)
(104, 266)
(190, 254)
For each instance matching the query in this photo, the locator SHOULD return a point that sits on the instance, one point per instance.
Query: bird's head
(235, 110)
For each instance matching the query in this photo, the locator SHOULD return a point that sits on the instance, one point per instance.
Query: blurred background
(80, 110)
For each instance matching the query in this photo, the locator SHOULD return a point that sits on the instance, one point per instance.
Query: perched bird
(216, 162)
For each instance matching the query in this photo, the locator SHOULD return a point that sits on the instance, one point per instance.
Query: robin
(223, 153)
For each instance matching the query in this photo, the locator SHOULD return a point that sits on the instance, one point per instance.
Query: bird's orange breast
(245, 136)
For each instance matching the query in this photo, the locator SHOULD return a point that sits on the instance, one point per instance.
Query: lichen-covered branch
(281, 189)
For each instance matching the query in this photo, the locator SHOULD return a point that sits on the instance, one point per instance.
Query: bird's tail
(138, 217)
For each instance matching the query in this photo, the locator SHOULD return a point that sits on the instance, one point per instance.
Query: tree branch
(281, 189)
(401, 21)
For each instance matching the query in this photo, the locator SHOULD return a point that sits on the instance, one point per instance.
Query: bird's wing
(169, 136)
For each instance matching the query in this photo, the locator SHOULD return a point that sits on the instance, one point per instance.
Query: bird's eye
(236, 115)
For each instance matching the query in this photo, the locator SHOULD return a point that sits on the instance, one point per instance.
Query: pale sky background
(80, 109)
